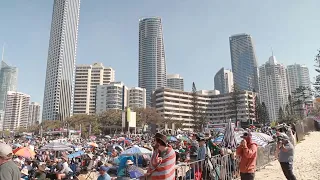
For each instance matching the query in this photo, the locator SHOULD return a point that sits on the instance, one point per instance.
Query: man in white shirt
(65, 169)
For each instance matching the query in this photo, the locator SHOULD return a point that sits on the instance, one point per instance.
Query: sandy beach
(306, 162)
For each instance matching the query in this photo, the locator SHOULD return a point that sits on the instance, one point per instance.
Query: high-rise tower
(273, 87)
(58, 92)
(297, 75)
(223, 81)
(175, 81)
(244, 62)
(152, 63)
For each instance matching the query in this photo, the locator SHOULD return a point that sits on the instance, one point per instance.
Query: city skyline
(205, 50)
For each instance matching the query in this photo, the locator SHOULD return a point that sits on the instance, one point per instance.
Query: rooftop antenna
(271, 51)
(3, 52)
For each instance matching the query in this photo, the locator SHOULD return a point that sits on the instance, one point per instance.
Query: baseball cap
(246, 134)
(103, 168)
(5, 150)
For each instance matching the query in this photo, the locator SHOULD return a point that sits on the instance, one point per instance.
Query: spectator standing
(248, 153)
(163, 160)
(202, 149)
(286, 154)
(103, 173)
(8, 169)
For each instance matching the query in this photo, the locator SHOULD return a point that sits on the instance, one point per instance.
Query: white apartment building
(175, 81)
(177, 105)
(16, 110)
(273, 86)
(137, 97)
(34, 113)
(297, 75)
(87, 78)
(111, 96)
(223, 81)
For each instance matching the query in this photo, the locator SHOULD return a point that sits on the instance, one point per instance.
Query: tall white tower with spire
(273, 86)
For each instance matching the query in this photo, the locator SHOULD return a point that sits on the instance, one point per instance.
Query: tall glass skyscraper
(244, 62)
(152, 63)
(8, 81)
(58, 92)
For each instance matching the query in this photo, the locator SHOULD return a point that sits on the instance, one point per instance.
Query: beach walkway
(306, 162)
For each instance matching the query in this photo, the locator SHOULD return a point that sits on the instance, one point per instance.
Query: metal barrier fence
(222, 167)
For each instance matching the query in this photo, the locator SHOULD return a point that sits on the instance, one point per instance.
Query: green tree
(110, 117)
(85, 121)
(264, 114)
(198, 113)
(257, 110)
(316, 84)
(235, 102)
(301, 95)
(282, 115)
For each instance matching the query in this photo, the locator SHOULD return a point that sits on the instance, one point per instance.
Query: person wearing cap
(40, 174)
(286, 154)
(202, 151)
(103, 173)
(8, 169)
(163, 160)
(66, 170)
(248, 153)
(24, 174)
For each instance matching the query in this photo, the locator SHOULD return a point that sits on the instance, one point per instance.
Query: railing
(222, 167)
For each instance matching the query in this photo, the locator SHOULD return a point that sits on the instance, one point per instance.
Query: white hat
(129, 162)
(24, 171)
(5, 150)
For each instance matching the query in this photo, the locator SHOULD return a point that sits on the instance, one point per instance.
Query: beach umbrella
(17, 145)
(229, 140)
(118, 147)
(93, 144)
(260, 139)
(171, 138)
(262, 136)
(75, 154)
(24, 152)
(121, 139)
(56, 146)
(218, 139)
(136, 150)
(184, 138)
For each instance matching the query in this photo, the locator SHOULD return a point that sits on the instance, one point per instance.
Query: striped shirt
(164, 169)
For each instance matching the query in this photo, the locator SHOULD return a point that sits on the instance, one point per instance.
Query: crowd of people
(107, 156)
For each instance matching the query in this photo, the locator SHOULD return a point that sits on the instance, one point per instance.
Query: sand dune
(306, 162)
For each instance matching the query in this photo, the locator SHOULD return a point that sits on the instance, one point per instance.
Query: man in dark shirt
(8, 169)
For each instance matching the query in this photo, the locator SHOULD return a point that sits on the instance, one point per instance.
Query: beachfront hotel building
(137, 97)
(297, 75)
(34, 114)
(223, 81)
(111, 96)
(175, 81)
(59, 91)
(273, 87)
(118, 96)
(244, 62)
(152, 63)
(87, 78)
(176, 106)
(16, 111)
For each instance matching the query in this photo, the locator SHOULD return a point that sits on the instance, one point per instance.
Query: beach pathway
(306, 163)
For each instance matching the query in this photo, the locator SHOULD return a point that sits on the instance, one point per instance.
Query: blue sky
(196, 34)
